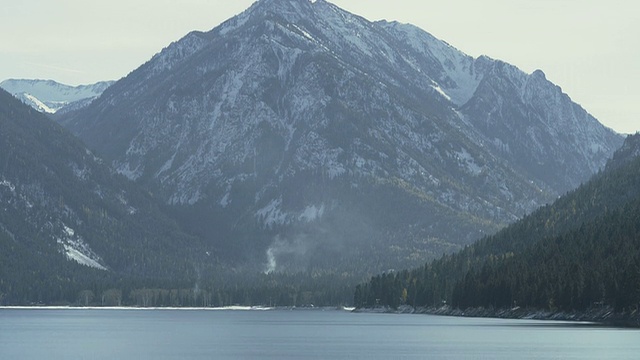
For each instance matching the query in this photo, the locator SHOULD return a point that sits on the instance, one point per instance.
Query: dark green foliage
(580, 252)
(49, 181)
(599, 263)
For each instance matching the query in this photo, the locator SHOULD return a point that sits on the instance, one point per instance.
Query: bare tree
(111, 297)
(85, 297)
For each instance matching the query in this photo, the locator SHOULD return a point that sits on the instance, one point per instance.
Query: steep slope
(597, 263)
(66, 220)
(50, 97)
(594, 262)
(297, 133)
(580, 251)
(524, 119)
(629, 151)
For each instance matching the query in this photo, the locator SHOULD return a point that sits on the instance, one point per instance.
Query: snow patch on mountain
(37, 104)
(311, 213)
(226, 200)
(459, 77)
(468, 162)
(49, 96)
(129, 172)
(8, 184)
(75, 249)
(272, 214)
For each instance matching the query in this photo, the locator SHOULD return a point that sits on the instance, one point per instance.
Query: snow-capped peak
(297, 112)
(50, 96)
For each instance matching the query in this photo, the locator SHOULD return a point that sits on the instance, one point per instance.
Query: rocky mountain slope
(51, 97)
(299, 136)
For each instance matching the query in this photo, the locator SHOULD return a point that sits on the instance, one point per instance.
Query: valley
(297, 152)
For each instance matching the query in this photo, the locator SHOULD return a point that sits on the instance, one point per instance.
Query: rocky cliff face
(300, 136)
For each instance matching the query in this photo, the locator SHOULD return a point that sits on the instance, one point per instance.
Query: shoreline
(67, 307)
(596, 317)
(601, 316)
(173, 308)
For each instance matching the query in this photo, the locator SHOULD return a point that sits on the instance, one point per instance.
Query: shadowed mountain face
(67, 220)
(300, 136)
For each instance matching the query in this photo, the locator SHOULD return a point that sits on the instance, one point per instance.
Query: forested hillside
(67, 221)
(579, 252)
(72, 231)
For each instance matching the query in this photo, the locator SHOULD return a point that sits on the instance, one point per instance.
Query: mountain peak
(539, 73)
(280, 3)
(292, 10)
(297, 117)
(285, 7)
(284, 2)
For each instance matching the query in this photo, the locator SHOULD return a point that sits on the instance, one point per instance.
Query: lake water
(298, 334)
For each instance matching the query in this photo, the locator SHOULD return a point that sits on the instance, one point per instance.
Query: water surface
(203, 334)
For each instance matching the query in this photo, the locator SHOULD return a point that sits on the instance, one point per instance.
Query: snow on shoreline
(225, 308)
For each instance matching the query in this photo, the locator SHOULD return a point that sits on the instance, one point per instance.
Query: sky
(590, 48)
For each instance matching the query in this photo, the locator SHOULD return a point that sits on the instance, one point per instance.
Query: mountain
(582, 251)
(298, 136)
(51, 97)
(68, 222)
(629, 151)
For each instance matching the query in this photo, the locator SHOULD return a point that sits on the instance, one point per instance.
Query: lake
(297, 334)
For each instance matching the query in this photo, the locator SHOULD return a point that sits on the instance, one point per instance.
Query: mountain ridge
(294, 107)
(50, 97)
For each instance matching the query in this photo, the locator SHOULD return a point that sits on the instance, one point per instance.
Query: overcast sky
(591, 48)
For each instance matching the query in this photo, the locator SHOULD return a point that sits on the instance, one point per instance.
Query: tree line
(581, 252)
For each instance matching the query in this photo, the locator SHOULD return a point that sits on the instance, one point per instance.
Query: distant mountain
(68, 222)
(298, 136)
(582, 251)
(50, 97)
